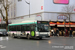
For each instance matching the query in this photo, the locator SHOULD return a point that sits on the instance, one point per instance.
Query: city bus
(29, 29)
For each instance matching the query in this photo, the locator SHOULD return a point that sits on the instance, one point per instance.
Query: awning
(52, 23)
(61, 24)
(65, 25)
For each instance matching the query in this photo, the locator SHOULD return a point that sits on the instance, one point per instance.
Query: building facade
(41, 10)
(49, 10)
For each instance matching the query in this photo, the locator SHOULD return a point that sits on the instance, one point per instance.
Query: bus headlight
(37, 33)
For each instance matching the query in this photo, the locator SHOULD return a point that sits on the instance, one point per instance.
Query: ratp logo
(61, 1)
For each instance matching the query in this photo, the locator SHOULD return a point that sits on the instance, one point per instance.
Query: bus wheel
(40, 38)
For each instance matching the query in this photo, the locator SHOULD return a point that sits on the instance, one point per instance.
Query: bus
(29, 29)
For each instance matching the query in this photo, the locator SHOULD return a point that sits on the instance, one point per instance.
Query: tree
(4, 5)
(68, 10)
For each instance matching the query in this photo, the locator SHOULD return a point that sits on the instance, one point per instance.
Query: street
(52, 43)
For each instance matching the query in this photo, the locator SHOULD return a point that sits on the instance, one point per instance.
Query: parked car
(3, 32)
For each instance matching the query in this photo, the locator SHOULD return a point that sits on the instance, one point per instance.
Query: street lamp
(29, 7)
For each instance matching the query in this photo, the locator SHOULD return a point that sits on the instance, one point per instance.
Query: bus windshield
(43, 27)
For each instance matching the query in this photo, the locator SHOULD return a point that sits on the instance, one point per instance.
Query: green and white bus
(29, 29)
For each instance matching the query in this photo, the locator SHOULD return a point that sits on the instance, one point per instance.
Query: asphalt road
(52, 43)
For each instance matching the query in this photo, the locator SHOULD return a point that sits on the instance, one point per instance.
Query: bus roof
(24, 22)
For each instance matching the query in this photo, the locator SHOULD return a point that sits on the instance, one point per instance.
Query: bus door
(33, 29)
(23, 30)
(27, 31)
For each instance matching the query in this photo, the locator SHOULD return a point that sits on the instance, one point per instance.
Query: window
(43, 27)
(32, 28)
(27, 28)
(12, 28)
(18, 28)
(61, 1)
(23, 28)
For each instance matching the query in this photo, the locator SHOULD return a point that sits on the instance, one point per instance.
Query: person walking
(71, 33)
(62, 32)
(66, 33)
(52, 31)
(57, 31)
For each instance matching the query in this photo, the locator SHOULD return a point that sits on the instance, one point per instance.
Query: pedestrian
(66, 32)
(61, 32)
(57, 32)
(71, 33)
(52, 32)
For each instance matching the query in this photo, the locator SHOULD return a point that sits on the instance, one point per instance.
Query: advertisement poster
(61, 1)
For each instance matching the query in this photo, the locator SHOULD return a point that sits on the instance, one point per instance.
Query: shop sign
(61, 17)
(61, 1)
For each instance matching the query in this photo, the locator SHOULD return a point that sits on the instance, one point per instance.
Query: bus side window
(10, 28)
(14, 28)
(32, 28)
(27, 28)
(18, 28)
(22, 28)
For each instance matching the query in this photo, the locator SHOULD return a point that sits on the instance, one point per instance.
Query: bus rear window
(61, 1)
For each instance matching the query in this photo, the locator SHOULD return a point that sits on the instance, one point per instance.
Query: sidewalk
(63, 36)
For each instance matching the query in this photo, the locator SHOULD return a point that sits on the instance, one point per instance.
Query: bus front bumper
(47, 36)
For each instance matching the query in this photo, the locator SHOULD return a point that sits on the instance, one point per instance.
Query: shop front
(61, 25)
